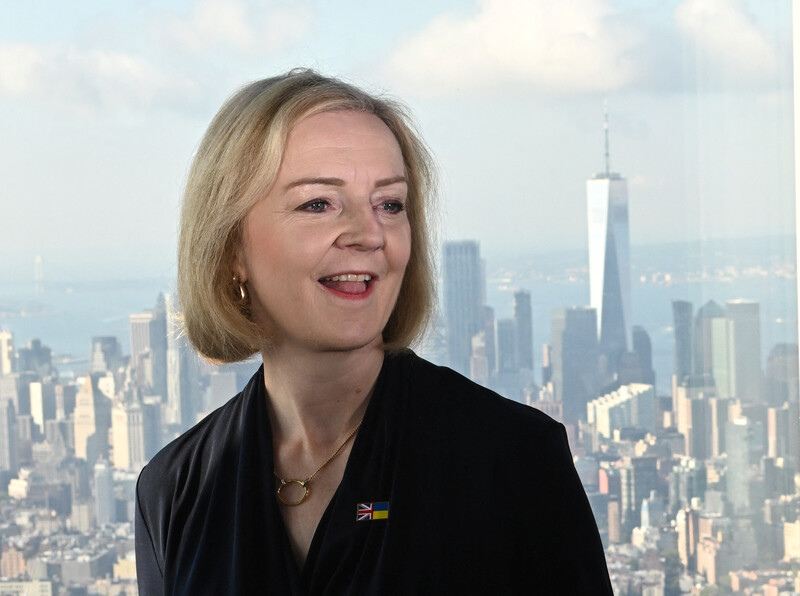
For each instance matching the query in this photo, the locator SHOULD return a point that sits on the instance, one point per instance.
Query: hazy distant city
(685, 436)
(674, 370)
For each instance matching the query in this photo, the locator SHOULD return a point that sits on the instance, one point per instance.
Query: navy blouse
(449, 489)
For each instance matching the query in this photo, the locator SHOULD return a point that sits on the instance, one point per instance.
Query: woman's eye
(392, 206)
(315, 206)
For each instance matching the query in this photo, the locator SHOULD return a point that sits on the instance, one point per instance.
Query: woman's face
(324, 252)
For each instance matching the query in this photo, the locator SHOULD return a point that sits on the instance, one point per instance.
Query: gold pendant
(302, 483)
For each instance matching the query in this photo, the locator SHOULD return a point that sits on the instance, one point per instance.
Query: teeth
(348, 277)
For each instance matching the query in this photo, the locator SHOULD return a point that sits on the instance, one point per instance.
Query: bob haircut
(237, 163)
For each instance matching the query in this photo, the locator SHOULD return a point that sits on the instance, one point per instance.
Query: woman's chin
(350, 343)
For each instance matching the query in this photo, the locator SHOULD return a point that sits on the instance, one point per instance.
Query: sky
(103, 103)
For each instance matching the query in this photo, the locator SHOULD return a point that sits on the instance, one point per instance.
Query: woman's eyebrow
(339, 182)
(319, 181)
(390, 181)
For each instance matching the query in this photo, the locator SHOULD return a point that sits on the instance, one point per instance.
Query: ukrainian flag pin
(371, 511)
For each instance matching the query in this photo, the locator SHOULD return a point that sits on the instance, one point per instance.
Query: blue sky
(102, 104)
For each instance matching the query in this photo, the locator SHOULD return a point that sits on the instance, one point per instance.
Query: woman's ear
(238, 268)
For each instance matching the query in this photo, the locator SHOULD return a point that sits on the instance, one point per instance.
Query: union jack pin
(371, 511)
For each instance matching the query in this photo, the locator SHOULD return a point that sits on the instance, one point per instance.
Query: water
(65, 316)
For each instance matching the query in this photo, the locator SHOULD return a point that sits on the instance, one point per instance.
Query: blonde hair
(237, 163)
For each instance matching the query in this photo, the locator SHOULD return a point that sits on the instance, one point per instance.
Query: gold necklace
(305, 483)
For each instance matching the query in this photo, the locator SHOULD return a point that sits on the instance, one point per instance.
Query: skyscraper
(104, 492)
(183, 390)
(134, 428)
(8, 437)
(682, 324)
(463, 300)
(35, 357)
(573, 354)
(507, 346)
(106, 354)
(6, 352)
(703, 336)
(92, 421)
(745, 338)
(149, 348)
(609, 261)
(524, 323)
(737, 476)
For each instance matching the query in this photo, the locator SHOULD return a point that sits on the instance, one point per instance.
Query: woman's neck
(314, 398)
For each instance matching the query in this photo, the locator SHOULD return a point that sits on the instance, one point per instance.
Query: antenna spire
(605, 128)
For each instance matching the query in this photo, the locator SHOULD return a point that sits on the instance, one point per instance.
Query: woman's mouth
(347, 283)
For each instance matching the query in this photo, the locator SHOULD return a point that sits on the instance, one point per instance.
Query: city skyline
(688, 445)
(707, 435)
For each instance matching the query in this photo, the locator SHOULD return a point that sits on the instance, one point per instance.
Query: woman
(347, 465)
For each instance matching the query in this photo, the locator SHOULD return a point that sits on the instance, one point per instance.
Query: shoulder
(196, 454)
(460, 407)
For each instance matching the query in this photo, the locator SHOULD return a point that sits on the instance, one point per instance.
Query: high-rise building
(781, 375)
(135, 434)
(638, 478)
(524, 323)
(737, 475)
(573, 359)
(36, 358)
(687, 481)
(507, 346)
(7, 361)
(778, 432)
(8, 437)
(106, 355)
(705, 323)
(630, 405)
(43, 403)
(693, 420)
(718, 411)
(682, 324)
(745, 339)
(464, 287)
(479, 362)
(105, 508)
(609, 261)
(149, 348)
(722, 365)
(17, 387)
(637, 366)
(92, 419)
(183, 389)
(490, 337)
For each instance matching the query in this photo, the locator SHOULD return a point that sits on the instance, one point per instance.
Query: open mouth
(348, 283)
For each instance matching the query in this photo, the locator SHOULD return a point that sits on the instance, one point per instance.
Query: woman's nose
(362, 230)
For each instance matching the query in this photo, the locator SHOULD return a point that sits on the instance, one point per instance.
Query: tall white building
(8, 436)
(183, 389)
(148, 332)
(609, 260)
(135, 433)
(6, 352)
(92, 420)
(464, 289)
(105, 508)
(745, 337)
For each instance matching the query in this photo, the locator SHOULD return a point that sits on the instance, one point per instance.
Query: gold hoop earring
(243, 297)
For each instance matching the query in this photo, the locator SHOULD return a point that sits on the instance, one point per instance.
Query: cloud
(85, 78)
(547, 46)
(729, 39)
(259, 27)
